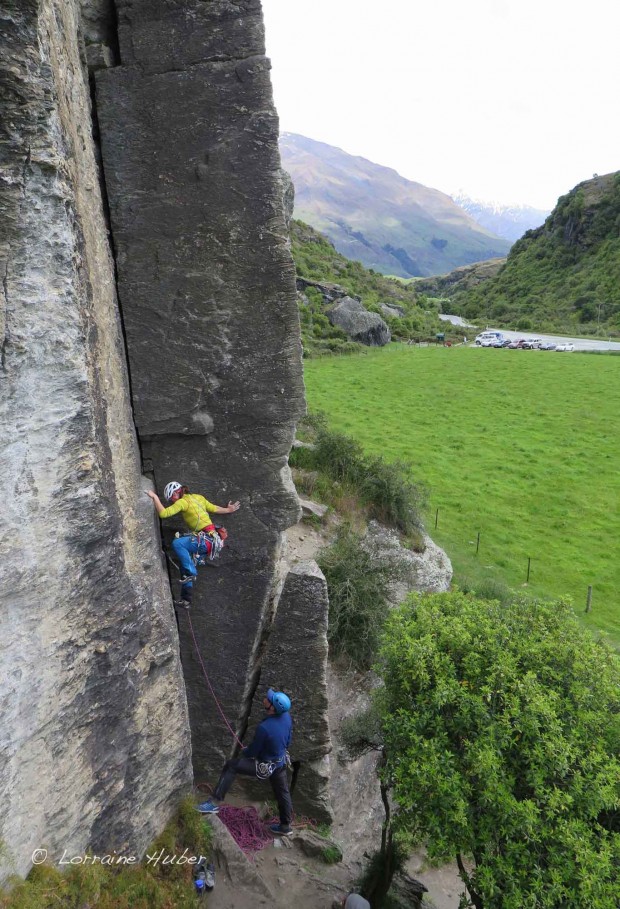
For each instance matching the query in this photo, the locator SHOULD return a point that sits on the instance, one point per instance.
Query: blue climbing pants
(184, 549)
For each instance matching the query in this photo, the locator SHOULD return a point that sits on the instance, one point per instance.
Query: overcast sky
(510, 101)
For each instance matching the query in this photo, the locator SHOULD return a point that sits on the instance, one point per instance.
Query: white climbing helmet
(170, 490)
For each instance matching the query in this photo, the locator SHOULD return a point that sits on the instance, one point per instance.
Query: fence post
(436, 518)
(478, 543)
(589, 599)
(529, 562)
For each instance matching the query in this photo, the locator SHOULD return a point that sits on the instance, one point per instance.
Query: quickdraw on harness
(264, 769)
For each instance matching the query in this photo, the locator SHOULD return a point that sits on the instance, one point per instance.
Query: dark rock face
(330, 291)
(296, 662)
(94, 735)
(207, 289)
(360, 325)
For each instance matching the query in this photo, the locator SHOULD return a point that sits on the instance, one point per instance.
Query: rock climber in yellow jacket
(204, 540)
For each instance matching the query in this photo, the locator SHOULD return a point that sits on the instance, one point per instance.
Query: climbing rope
(246, 828)
(206, 675)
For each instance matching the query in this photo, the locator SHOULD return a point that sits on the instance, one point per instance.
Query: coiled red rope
(249, 832)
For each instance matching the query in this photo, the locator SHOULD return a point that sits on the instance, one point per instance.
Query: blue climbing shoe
(281, 830)
(208, 808)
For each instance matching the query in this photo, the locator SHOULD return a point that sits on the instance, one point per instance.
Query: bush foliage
(385, 488)
(358, 604)
(502, 733)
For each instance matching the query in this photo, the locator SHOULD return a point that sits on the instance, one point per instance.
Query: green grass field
(521, 446)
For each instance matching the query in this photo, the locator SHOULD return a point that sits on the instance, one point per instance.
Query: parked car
(532, 343)
(517, 343)
(498, 342)
(487, 336)
(547, 345)
(567, 346)
(488, 342)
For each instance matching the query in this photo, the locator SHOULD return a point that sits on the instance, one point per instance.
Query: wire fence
(527, 570)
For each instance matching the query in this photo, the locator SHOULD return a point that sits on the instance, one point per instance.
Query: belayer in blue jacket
(265, 758)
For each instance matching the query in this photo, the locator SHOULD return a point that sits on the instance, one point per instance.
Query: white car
(487, 336)
(567, 346)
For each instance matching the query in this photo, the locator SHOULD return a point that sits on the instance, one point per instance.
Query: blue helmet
(280, 701)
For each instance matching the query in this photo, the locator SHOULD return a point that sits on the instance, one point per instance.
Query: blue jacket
(271, 739)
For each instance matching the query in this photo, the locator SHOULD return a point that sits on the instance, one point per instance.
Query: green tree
(501, 730)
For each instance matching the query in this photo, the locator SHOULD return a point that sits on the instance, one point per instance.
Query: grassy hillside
(374, 215)
(564, 275)
(317, 260)
(520, 449)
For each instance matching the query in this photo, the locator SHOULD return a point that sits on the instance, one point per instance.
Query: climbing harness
(212, 543)
(264, 769)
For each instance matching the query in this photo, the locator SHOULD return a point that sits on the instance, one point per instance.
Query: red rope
(217, 703)
(246, 828)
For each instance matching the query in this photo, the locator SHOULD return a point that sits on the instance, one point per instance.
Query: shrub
(384, 488)
(502, 732)
(358, 603)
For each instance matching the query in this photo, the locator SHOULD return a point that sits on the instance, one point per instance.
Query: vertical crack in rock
(258, 651)
(4, 313)
(206, 284)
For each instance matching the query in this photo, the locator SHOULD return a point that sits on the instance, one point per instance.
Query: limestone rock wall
(206, 285)
(94, 739)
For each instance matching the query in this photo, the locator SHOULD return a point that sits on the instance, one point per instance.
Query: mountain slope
(508, 221)
(316, 259)
(374, 215)
(562, 274)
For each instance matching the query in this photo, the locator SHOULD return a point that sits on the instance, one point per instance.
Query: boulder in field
(359, 324)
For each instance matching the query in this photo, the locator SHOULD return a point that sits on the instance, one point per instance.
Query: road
(580, 343)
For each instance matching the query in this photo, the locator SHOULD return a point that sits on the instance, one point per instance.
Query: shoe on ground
(281, 830)
(187, 578)
(210, 877)
(208, 808)
(182, 604)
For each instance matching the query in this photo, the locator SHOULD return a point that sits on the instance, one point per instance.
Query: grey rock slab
(94, 734)
(295, 661)
(328, 289)
(360, 325)
(231, 860)
(429, 571)
(312, 844)
(354, 785)
(392, 309)
(308, 507)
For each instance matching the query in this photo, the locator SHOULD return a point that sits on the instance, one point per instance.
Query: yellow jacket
(195, 511)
